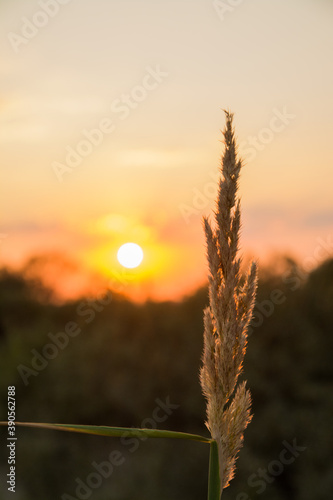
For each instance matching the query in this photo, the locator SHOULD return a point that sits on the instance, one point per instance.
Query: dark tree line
(113, 362)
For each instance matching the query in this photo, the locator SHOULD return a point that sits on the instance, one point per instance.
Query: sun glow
(161, 260)
(130, 255)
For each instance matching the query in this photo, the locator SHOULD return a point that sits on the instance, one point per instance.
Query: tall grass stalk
(231, 302)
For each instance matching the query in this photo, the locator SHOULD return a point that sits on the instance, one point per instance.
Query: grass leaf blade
(115, 431)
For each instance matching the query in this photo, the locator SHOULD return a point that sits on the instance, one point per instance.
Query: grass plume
(231, 302)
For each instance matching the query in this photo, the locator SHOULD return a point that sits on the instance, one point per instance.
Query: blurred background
(110, 133)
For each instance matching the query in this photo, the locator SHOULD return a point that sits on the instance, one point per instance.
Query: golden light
(160, 260)
(130, 255)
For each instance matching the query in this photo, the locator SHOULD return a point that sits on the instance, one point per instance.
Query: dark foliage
(124, 357)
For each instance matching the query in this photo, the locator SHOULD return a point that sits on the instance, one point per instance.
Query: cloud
(29, 227)
(319, 219)
(264, 217)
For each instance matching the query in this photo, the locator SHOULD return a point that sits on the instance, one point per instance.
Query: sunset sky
(111, 113)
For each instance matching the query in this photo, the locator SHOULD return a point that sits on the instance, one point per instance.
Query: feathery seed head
(227, 317)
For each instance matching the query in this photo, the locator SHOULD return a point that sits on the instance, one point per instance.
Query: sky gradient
(110, 132)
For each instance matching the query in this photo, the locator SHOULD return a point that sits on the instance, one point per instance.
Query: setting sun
(130, 255)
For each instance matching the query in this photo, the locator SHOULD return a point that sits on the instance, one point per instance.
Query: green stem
(214, 483)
